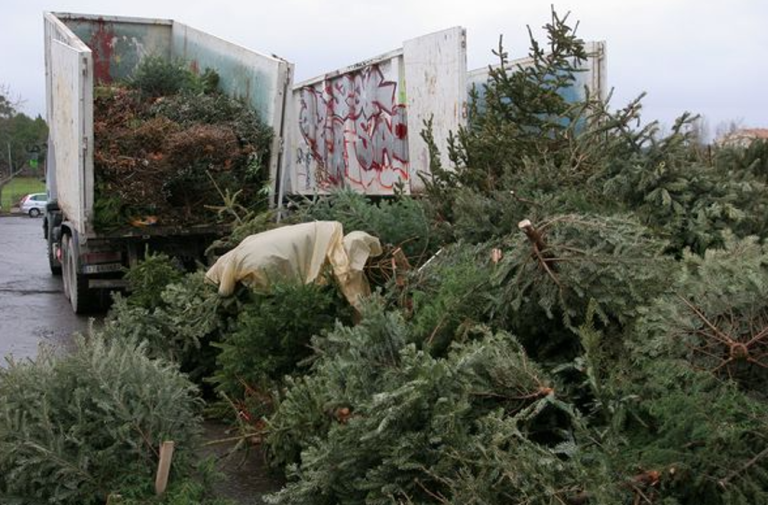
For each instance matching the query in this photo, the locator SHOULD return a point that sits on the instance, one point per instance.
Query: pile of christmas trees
(169, 146)
(576, 312)
(594, 329)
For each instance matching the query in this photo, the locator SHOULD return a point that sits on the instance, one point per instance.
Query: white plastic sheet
(300, 253)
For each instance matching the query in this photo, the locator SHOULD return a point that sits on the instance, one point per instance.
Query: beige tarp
(298, 252)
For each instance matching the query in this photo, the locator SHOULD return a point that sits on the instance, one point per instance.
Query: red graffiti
(401, 131)
(102, 45)
(355, 120)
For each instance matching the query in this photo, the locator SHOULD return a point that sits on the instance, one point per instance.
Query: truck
(82, 51)
(356, 127)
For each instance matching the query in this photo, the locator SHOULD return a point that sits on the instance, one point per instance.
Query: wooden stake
(164, 467)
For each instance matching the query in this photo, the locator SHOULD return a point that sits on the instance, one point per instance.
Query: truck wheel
(65, 263)
(75, 285)
(53, 262)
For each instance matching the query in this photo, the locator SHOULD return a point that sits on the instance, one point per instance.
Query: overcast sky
(705, 56)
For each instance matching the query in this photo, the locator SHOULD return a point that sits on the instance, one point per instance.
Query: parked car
(34, 204)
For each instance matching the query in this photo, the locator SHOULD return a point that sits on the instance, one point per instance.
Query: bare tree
(699, 131)
(725, 128)
(8, 104)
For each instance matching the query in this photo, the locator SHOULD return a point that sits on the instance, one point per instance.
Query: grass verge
(17, 188)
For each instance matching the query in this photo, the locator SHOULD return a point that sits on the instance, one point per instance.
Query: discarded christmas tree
(168, 146)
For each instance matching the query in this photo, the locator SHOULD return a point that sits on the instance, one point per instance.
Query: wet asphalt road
(33, 309)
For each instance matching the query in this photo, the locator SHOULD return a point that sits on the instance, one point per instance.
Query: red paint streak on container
(101, 46)
(401, 131)
(194, 67)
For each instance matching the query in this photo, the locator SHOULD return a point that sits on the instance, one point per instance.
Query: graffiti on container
(117, 48)
(355, 131)
(102, 44)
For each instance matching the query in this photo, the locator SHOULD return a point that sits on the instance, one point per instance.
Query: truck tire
(53, 262)
(75, 285)
(64, 262)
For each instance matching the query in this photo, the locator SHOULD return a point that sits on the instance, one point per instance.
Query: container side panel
(55, 29)
(350, 130)
(258, 80)
(119, 47)
(244, 74)
(599, 85)
(88, 144)
(49, 29)
(282, 175)
(435, 72)
(590, 78)
(67, 129)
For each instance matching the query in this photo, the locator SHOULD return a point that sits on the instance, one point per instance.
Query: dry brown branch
(546, 260)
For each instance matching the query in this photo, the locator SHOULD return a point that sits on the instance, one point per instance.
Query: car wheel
(34, 212)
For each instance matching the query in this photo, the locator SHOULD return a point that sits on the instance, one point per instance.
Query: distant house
(743, 137)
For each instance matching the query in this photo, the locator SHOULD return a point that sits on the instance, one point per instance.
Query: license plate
(103, 268)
